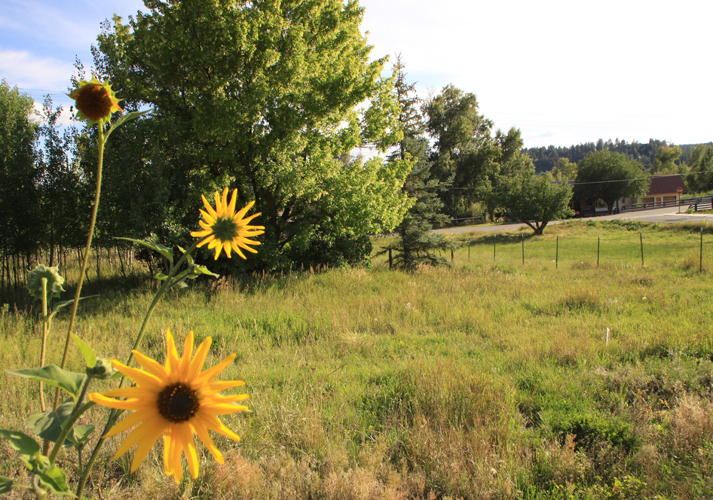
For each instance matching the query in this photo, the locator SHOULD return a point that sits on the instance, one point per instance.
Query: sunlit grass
(489, 379)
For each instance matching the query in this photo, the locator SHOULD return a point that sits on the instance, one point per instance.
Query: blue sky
(562, 71)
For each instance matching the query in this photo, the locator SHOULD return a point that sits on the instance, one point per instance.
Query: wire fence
(691, 250)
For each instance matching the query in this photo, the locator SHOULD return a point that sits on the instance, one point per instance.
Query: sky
(562, 71)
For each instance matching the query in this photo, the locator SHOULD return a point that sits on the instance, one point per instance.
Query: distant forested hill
(545, 158)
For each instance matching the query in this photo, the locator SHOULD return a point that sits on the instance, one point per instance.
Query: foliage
(19, 200)
(700, 178)
(665, 161)
(417, 244)
(609, 177)
(263, 96)
(536, 201)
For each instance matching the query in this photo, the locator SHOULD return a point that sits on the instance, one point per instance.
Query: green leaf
(5, 484)
(189, 257)
(204, 270)
(80, 434)
(22, 443)
(48, 425)
(87, 352)
(64, 303)
(123, 119)
(55, 376)
(160, 276)
(180, 284)
(55, 479)
(156, 247)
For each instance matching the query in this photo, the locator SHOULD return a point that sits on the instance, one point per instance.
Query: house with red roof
(664, 190)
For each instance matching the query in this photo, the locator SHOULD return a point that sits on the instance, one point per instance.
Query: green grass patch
(488, 379)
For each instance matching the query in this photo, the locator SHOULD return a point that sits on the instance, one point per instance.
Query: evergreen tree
(417, 243)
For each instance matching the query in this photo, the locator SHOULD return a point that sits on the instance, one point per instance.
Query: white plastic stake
(607, 335)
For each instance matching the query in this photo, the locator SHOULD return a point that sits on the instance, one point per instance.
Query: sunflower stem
(87, 249)
(67, 427)
(114, 414)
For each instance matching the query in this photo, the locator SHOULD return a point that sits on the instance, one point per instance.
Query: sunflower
(95, 101)
(177, 401)
(224, 229)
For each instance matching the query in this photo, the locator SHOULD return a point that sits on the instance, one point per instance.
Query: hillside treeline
(545, 158)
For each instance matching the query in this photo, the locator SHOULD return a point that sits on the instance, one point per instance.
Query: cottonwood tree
(608, 176)
(20, 222)
(263, 96)
(535, 200)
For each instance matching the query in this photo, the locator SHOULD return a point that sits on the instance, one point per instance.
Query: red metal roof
(665, 184)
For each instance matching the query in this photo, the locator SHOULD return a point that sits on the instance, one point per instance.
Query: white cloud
(29, 71)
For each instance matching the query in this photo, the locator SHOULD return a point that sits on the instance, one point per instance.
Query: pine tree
(417, 244)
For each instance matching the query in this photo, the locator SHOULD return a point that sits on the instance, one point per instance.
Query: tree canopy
(608, 177)
(263, 96)
(535, 200)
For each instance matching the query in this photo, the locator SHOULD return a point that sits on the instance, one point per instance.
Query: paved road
(666, 215)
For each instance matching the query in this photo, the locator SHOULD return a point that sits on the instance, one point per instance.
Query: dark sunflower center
(93, 100)
(225, 229)
(178, 403)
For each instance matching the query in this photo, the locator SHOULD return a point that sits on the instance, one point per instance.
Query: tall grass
(489, 379)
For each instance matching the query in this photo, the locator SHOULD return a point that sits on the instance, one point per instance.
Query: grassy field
(491, 379)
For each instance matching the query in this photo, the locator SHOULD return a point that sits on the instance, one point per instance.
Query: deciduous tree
(608, 176)
(263, 96)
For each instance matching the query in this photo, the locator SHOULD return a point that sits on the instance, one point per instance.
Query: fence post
(598, 245)
(700, 264)
(641, 241)
(522, 240)
(452, 256)
(495, 238)
(557, 252)
(469, 251)
(391, 262)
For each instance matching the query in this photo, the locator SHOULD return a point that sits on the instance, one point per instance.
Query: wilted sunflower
(224, 229)
(95, 101)
(177, 401)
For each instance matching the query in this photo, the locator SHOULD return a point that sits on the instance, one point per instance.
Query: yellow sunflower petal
(223, 409)
(132, 392)
(213, 423)
(143, 379)
(185, 360)
(199, 359)
(207, 240)
(190, 449)
(128, 404)
(150, 365)
(216, 387)
(231, 206)
(127, 423)
(202, 432)
(213, 214)
(148, 439)
(237, 250)
(243, 211)
(176, 451)
(171, 353)
(208, 219)
(218, 205)
(226, 247)
(141, 432)
(167, 443)
(207, 376)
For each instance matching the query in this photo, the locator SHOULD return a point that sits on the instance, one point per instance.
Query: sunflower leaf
(55, 479)
(123, 119)
(87, 352)
(5, 484)
(160, 276)
(22, 443)
(49, 425)
(55, 376)
(156, 247)
(64, 303)
(198, 270)
(189, 257)
(79, 435)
